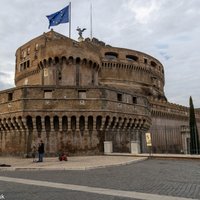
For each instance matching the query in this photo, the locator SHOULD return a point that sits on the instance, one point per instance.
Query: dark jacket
(41, 148)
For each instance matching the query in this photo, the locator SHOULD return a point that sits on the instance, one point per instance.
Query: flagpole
(91, 21)
(70, 19)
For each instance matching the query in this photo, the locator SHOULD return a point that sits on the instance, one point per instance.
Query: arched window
(47, 123)
(153, 64)
(78, 60)
(56, 60)
(73, 123)
(111, 55)
(29, 122)
(99, 122)
(59, 76)
(38, 124)
(82, 123)
(113, 122)
(56, 123)
(132, 58)
(64, 123)
(90, 123)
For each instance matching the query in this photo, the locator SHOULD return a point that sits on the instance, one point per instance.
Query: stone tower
(78, 95)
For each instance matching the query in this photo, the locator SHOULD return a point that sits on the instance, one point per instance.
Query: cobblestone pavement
(13, 191)
(178, 178)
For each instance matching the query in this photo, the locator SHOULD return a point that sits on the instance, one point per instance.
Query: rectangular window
(24, 54)
(119, 97)
(145, 61)
(10, 96)
(48, 94)
(59, 76)
(28, 63)
(36, 47)
(127, 99)
(154, 81)
(21, 67)
(82, 94)
(28, 51)
(134, 100)
(24, 65)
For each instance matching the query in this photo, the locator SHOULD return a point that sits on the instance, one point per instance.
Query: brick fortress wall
(76, 95)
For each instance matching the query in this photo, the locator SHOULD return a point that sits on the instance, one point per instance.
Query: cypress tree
(194, 136)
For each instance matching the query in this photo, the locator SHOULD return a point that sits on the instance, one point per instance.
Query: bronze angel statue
(80, 31)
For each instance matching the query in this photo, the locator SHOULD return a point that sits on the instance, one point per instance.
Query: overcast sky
(169, 30)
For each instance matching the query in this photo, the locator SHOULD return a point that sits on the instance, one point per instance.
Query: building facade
(76, 96)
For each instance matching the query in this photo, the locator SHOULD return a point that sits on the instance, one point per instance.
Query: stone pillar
(108, 147)
(128, 125)
(60, 138)
(34, 124)
(144, 147)
(2, 134)
(120, 124)
(60, 123)
(35, 131)
(77, 136)
(109, 123)
(135, 147)
(86, 124)
(28, 137)
(69, 124)
(116, 123)
(107, 133)
(69, 132)
(22, 132)
(4, 141)
(77, 123)
(125, 124)
(51, 124)
(2, 126)
(135, 143)
(8, 121)
(94, 123)
(52, 137)
(43, 131)
(94, 139)
(137, 131)
(5, 125)
(24, 124)
(185, 134)
(86, 138)
(15, 125)
(47, 131)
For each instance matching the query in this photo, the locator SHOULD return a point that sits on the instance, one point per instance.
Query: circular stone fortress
(83, 97)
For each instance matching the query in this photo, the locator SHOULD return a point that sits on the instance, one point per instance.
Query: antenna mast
(91, 21)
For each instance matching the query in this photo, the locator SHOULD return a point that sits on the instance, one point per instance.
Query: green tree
(194, 136)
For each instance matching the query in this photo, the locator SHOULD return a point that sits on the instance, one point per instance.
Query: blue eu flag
(59, 17)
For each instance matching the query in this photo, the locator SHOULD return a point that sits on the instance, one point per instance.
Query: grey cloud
(3, 74)
(4, 86)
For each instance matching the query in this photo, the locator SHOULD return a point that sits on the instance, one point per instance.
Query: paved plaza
(73, 163)
(171, 179)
